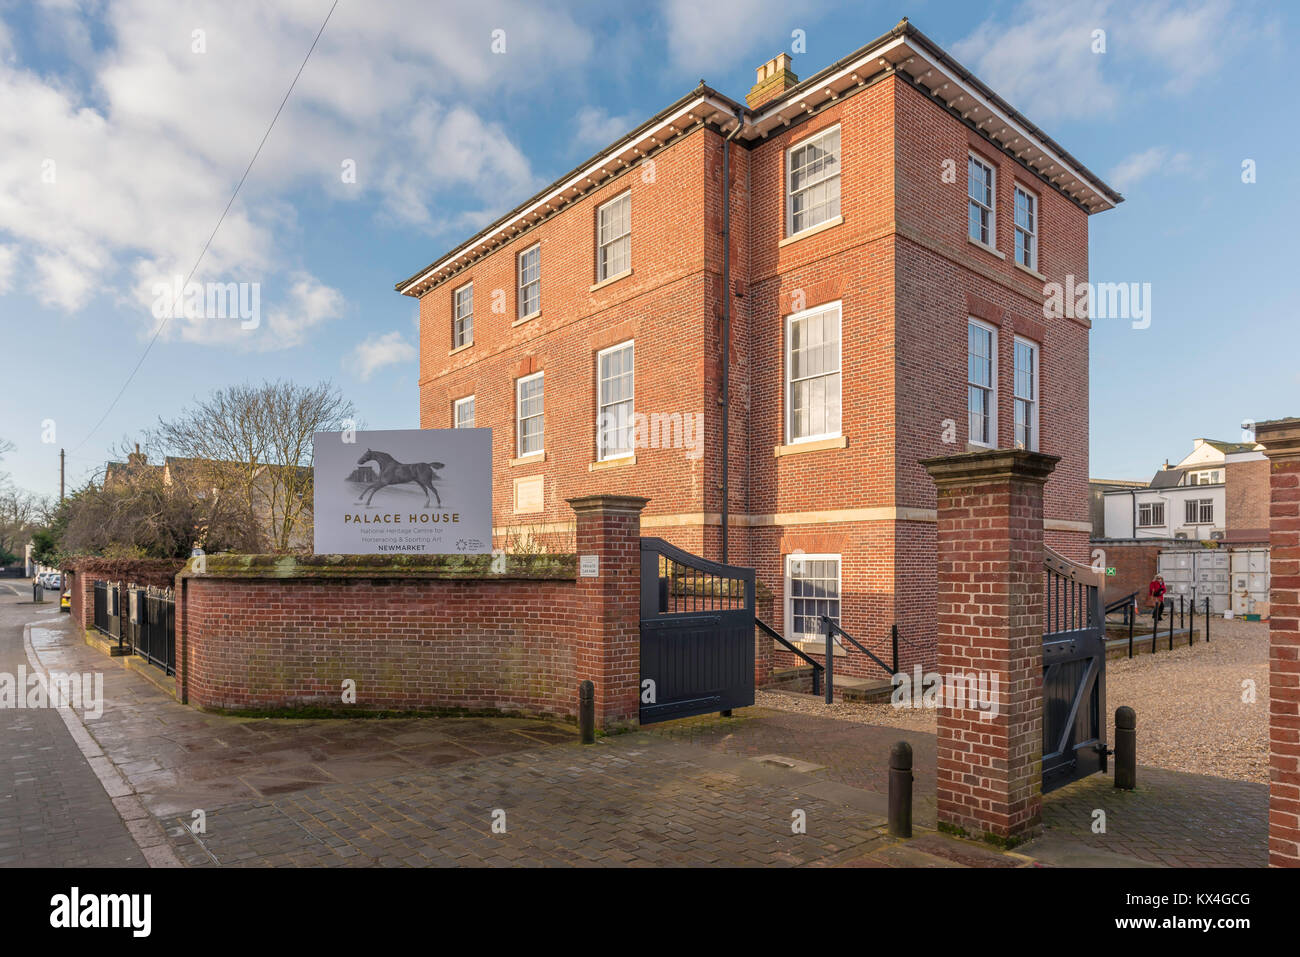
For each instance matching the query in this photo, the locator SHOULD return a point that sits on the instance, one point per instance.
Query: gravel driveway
(1191, 716)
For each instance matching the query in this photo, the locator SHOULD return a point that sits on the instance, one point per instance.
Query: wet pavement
(152, 781)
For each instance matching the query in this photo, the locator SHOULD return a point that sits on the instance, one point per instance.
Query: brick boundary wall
(990, 620)
(1281, 441)
(84, 572)
(420, 633)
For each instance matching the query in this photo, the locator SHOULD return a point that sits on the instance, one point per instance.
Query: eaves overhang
(904, 51)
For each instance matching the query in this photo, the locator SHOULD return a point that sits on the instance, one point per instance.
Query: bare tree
(253, 445)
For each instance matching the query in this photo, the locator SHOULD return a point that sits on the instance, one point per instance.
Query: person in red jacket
(1157, 593)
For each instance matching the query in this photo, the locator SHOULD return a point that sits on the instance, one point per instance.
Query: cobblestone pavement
(707, 791)
(53, 809)
(1173, 818)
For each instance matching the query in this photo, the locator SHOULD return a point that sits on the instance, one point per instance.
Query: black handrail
(830, 628)
(1121, 603)
(817, 669)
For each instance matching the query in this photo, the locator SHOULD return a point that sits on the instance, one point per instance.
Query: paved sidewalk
(55, 811)
(706, 791)
(1173, 818)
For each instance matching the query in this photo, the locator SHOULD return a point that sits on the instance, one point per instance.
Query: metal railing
(773, 633)
(1186, 620)
(108, 617)
(830, 629)
(153, 626)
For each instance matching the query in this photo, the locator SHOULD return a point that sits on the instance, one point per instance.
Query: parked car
(50, 581)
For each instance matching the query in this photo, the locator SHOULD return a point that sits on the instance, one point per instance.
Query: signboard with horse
(403, 491)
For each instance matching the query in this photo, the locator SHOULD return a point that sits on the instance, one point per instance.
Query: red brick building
(879, 277)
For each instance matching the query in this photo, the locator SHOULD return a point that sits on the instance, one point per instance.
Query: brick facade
(1246, 501)
(1281, 440)
(990, 615)
(907, 279)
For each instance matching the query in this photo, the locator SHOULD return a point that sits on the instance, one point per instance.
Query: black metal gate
(697, 634)
(1074, 674)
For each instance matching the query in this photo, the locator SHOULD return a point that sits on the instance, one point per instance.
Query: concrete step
(863, 689)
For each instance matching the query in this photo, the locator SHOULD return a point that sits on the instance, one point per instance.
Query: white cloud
(710, 37)
(1158, 159)
(309, 304)
(1039, 55)
(147, 138)
(8, 259)
(373, 354)
(597, 129)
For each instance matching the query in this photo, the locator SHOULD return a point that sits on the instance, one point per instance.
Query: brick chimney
(774, 78)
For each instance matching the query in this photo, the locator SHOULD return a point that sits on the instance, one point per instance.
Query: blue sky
(146, 135)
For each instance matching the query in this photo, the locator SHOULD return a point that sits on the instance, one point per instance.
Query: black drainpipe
(726, 328)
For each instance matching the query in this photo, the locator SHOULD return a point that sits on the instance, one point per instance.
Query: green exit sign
(1110, 571)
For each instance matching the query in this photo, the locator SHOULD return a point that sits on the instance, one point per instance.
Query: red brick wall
(990, 602)
(1281, 438)
(1246, 496)
(420, 638)
(426, 644)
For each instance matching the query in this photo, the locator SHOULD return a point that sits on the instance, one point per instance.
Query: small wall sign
(589, 566)
(1110, 571)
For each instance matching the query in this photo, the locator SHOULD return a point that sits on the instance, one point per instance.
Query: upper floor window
(463, 413)
(462, 323)
(982, 383)
(1026, 229)
(530, 281)
(528, 415)
(614, 237)
(1151, 514)
(1026, 394)
(813, 181)
(981, 187)
(1206, 478)
(813, 374)
(1199, 511)
(614, 371)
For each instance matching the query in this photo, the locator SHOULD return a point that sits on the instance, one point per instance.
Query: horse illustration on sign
(393, 472)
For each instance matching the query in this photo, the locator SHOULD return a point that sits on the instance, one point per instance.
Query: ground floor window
(812, 589)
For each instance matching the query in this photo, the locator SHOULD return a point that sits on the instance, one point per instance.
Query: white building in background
(1188, 500)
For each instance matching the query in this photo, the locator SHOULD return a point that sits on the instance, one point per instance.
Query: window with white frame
(1026, 228)
(1199, 511)
(1025, 393)
(1151, 514)
(530, 281)
(614, 237)
(462, 325)
(812, 589)
(528, 414)
(981, 187)
(614, 372)
(982, 383)
(813, 181)
(463, 413)
(813, 374)
(1206, 478)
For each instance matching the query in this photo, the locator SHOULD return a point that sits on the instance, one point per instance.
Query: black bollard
(1207, 621)
(1125, 748)
(587, 711)
(900, 790)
